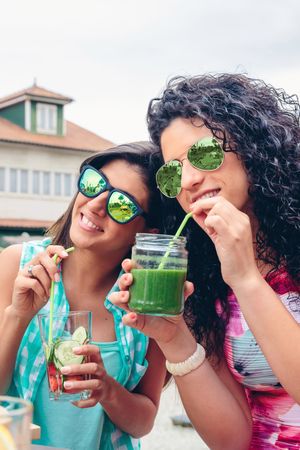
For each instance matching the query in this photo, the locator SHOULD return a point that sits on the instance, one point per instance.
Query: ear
(152, 230)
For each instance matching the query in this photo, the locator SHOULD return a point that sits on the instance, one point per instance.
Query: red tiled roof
(24, 223)
(76, 137)
(36, 91)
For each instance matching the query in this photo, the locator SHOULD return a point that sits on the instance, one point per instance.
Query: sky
(113, 56)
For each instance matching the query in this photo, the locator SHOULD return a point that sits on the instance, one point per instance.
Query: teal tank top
(62, 423)
(70, 427)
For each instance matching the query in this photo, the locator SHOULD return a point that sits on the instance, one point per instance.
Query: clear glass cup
(15, 420)
(160, 266)
(69, 330)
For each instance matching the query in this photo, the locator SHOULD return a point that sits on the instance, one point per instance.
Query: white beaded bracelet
(191, 363)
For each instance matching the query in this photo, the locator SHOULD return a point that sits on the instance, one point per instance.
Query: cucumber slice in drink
(80, 335)
(64, 353)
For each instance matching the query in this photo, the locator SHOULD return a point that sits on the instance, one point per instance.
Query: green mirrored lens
(91, 183)
(120, 207)
(168, 178)
(206, 154)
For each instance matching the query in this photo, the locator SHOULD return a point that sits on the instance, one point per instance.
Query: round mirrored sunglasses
(206, 154)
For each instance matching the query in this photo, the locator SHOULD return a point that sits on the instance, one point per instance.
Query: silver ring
(29, 271)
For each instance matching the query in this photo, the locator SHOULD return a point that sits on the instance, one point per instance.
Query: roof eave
(37, 98)
(38, 144)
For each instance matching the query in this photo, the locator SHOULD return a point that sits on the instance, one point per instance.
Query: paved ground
(166, 436)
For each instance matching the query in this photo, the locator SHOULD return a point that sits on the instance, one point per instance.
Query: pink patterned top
(276, 416)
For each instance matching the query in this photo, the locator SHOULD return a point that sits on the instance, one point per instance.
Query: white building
(40, 154)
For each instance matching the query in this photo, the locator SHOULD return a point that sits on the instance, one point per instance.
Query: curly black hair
(261, 125)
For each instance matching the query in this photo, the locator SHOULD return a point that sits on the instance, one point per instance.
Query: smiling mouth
(209, 194)
(89, 224)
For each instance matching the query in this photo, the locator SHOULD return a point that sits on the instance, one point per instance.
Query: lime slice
(64, 353)
(6, 439)
(80, 335)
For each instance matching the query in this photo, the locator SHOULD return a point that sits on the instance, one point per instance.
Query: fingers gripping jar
(160, 266)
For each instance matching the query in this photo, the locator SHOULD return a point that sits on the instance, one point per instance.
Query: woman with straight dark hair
(116, 198)
(231, 146)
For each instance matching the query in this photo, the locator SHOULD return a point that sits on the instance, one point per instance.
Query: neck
(88, 272)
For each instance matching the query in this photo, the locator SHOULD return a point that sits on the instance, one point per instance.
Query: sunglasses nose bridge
(98, 204)
(190, 175)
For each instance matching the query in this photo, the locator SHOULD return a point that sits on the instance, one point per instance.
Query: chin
(185, 206)
(78, 240)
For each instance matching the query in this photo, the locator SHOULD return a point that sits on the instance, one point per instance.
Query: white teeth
(89, 223)
(210, 194)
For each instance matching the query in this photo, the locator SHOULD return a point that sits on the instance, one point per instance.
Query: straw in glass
(50, 335)
(177, 234)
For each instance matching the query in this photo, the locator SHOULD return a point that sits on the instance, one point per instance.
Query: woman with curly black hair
(231, 146)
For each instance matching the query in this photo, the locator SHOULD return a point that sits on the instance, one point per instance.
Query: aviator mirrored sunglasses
(206, 154)
(120, 206)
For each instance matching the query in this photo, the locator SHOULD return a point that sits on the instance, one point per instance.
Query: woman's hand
(162, 329)
(98, 381)
(32, 285)
(230, 231)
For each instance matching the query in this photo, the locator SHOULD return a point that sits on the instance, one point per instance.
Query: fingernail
(64, 253)
(76, 349)
(128, 278)
(132, 316)
(65, 369)
(68, 384)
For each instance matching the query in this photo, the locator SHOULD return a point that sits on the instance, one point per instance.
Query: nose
(97, 205)
(191, 177)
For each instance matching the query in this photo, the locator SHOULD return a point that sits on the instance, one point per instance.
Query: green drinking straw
(177, 234)
(68, 250)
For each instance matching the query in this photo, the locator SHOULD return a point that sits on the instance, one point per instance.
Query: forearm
(212, 408)
(12, 329)
(275, 330)
(131, 412)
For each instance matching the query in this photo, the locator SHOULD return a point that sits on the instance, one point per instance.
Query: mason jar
(159, 273)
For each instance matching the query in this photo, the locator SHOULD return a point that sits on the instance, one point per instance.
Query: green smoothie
(157, 291)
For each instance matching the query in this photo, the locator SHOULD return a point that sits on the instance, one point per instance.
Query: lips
(87, 224)
(207, 194)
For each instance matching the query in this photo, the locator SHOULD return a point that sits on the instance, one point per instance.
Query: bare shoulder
(10, 256)
(9, 265)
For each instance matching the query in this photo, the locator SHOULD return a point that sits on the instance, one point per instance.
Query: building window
(36, 182)
(46, 118)
(57, 185)
(67, 184)
(13, 180)
(24, 181)
(46, 183)
(2, 179)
